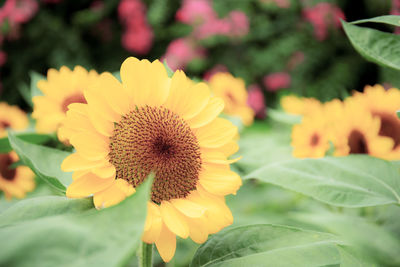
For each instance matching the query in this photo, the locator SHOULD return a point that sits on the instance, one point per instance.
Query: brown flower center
(154, 139)
(4, 124)
(75, 98)
(390, 127)
(314, 139)
(357, 143)
(5, 171)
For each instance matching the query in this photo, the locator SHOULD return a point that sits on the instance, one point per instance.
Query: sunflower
(14, 182)
(300, 105)
(358, 132)
(61, 88)
(12, 117)
(383, 104)
(233, 91)
(310, 138)
(153, 123)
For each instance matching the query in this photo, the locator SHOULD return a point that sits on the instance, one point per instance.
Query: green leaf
(373, 240)
(398, 114)
(353, 181)
(376, 46)
(283, 117)
(388, 19)
(45, 162)
(30, 137)
(35, 77)
(170, 72)
(56, 231)
(117, 75)
(256, 245)
(351, 258)
(25, 92)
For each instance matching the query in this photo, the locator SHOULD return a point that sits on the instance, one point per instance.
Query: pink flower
(256, 101)
(239, 23)
(217, 68)
(321, 16)
(3, 58)
(196, 12)
(276, 81)
(138, 37)
(18, 11)
(182, 51)
(211, 28)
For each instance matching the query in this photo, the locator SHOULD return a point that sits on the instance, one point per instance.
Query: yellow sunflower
(384, 104)
(14, 182)
(310, 138)
(233, 91)
(61, 88)
(153, 123)
(300, 105)
(358, 132)
(12, 117)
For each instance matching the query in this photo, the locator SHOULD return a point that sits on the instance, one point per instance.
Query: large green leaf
(274, 245)
(351, 258)
(34, 138)
(44, 161)
(374, 241)
(353, 181)
(35, 77)
(388, 19)
(376, 46)
(56, 231)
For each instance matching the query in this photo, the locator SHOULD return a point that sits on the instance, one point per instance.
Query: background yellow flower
(12, 117)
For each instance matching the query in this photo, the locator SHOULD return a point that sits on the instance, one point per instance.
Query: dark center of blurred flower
(5, 171)
(357, 143)
(390, 127)
(314, 139)
(75, 98)
(154, 139)
(4, 124)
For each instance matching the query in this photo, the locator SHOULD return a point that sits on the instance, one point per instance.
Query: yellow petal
(186, 99)
(91, 146)
(216, 134)
(75, 162)
(208, 114)
(188, 208)
(198, 231)
(147, 83)
(87, 185)
(104, 171)
(218, 180)
(152, 226)
(166, 244)
(97, 102)
(175, 221)
(109, 196)
(103, 126)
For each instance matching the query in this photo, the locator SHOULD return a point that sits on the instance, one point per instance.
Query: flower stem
(146, 255)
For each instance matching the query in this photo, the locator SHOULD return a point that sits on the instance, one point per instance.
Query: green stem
(146, 255)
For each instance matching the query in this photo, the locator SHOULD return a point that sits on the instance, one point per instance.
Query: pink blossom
(182, 51)
(138, 36)
(239, 23)
(195, 12)
(3, 58)
(18, 11)
(217, 68)
(256, 101)
(212, 28)
(395, 11)
(276, 81)
(322, 16)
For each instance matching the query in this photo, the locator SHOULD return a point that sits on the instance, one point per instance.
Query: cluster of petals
(365, 123)
(256, 101)
(276, 81)
(182, 51)
(323, 16)
(89, 128)
(138, 35)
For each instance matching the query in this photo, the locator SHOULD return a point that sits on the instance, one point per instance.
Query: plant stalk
(146, 255)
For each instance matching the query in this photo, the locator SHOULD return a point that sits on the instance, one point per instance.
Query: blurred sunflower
(12, 117)
(14, 181)
(300, 105)
(61, 88)
(358, 132)
(310, 138)
(384, 104)
(233, 91)
(153, 123)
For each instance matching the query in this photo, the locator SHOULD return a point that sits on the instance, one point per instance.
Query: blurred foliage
(70, 33)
